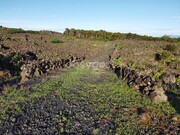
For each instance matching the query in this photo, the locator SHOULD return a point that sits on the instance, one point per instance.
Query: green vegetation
(134, 65)
(118, 61)
(110, 98)
(163, 56)
(94, 46)
(32, 32)
(120, 46)
(12, 62)
(171, 48)
(178, 80)
(16, 63)
(151, 46)
(56, 41)
(16, 59)
(15, 30)
(5, 37)
(141, 67)
(157, 75)
(108, 36)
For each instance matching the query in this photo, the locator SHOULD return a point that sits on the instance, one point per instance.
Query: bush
(56, 41)
(163, 56)
(15, 30)
(171, 48)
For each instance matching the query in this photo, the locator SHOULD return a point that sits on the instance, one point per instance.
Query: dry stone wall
(153, 87)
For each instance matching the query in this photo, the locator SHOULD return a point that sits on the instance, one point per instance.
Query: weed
(157, 75)
(118, 61)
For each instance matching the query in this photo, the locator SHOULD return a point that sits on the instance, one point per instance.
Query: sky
(145, 17)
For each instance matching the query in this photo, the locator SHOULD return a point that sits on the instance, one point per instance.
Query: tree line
(109, 36)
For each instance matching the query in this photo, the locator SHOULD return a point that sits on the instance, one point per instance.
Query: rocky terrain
(24, 55)
(121, 84)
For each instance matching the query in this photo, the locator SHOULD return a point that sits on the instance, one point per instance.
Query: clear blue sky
(150, 17)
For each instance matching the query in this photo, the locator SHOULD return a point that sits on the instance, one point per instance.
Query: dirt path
(103, 53)
(83, 101)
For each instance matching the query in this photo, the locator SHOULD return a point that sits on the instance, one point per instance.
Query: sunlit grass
(103, 92)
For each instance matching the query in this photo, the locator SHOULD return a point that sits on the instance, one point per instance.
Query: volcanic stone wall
(153, 87)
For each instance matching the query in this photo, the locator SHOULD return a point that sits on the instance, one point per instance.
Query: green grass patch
(104, 93)
(120, 46)
(118, 61)
(56, 41)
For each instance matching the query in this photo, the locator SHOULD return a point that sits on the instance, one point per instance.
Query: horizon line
(113, 31)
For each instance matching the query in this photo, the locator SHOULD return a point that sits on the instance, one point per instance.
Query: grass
(56, 41)
(94, 46)
(118, 61)
(104, 96)
(5, 37)
(110, 98)
(120, 46)
(157, 75)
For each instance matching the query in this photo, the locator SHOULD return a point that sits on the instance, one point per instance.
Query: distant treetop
(109, 36)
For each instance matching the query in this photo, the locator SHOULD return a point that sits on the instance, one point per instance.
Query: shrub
(171, 48)
(56, 41)
(163, 56)
(16, 60)
(15, 30)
